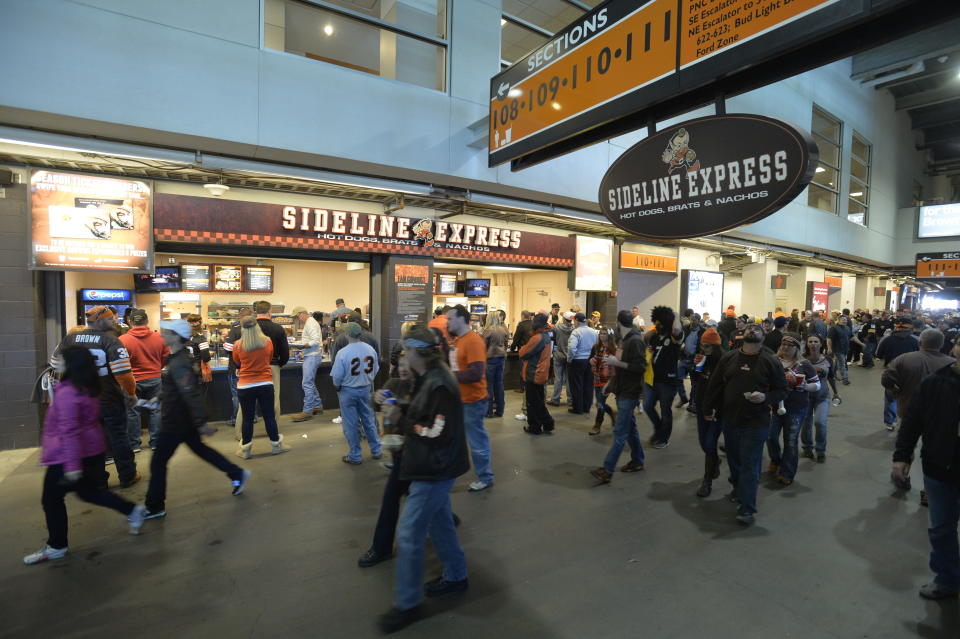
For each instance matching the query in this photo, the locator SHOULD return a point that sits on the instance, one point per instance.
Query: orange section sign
(833, 282)
(711, 26)
(648, 262)
(938, 268)
(637, 50)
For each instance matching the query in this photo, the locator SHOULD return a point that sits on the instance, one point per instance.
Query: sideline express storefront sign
(707, 175)
(182, 218)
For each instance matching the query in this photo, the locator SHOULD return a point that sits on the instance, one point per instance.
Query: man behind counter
(339, 313)
(312, 357)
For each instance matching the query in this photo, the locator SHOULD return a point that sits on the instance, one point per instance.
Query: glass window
(428, 17)
(858, 197)
(327, 36)
(824, 193)
(516, 41)
(523, 20)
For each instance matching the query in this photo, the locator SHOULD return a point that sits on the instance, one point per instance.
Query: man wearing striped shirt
(117, 384)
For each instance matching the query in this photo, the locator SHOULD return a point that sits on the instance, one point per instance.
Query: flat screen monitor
(164, 278)
(477, 288)
(702, 291)
(939, 220)
(478, 309)
(446, 284)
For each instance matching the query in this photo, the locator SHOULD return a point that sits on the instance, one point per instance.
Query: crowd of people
(755, 383)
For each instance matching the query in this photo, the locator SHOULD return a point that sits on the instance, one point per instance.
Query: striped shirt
(109, 354)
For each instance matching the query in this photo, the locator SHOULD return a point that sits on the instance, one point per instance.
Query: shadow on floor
(565, 475)
(882, 439)
(713, 515)
(942, 621)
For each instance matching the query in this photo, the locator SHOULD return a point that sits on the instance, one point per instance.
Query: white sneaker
(477, 486)
(136, 519)
(239, 484)
(521, 417)
(338, 420)
(44, 554)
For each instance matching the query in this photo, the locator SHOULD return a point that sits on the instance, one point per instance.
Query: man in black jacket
(523, 332)
(747, 384)
(890, 347)
(627, 385)
(934, 414)
(183, 419)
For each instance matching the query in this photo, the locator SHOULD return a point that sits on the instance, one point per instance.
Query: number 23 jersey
(110, 357)
(355, 365)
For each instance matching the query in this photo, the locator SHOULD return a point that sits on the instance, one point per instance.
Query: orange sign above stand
(648, 262)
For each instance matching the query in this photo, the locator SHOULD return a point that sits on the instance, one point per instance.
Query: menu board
(446, 284)
(194, 277)
(228, 278)
(259, 279)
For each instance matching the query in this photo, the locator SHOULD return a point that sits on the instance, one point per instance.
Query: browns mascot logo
(423, 232)
(678, 155)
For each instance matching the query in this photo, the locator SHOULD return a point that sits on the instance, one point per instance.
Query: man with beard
(663, 355)
(744, 388)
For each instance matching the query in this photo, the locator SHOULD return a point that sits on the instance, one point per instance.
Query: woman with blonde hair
(495, 336)
(251, 354)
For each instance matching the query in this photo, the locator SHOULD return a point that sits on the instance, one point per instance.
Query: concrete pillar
(756, 296)
(847, 291)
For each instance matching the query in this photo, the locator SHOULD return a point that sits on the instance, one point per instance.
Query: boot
(712, 467)
(706, 486)
(278, 447)
(244, 451)
(596, 425)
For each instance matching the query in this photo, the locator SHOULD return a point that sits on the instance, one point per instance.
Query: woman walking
(708, 431)
(605, 346)
(801, 380)
(495, 335)
(73, 452)
(183, 419)
(252, 355)
(819, 405)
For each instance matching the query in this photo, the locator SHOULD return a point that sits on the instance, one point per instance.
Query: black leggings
(167, 443)
(88, 488)
(249, 399)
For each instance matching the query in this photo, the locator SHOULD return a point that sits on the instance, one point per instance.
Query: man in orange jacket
(535, 370)
(148, 354)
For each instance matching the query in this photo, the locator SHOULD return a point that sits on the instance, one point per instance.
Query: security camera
(216, 190)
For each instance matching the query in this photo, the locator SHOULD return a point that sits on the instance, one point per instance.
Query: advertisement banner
(648, 262)
(702, 291)
(939, 220)
(87, 223)
(594, 269)
(199, 220)
(818, 296)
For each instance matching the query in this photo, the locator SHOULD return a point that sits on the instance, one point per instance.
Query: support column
(756, 297)
(401, 291)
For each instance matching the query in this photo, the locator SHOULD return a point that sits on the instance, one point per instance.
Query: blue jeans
(356, 410)
(944, 501)
(426, 512)
(311, 396)
(709, 434)
(816, 419)
(234, 398)
(841, 362)
(744, 455)
(602, 406)
(146, 389)
(662, 392)
(889, 408)
(869, 348)
(683, 367)
(560, 379)
(473, 413)
(624, 433)
(789, 424)
(495, 385)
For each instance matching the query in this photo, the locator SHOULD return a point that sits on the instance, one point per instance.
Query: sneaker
(631, 467)
(821, 458)
(338, 420)
(889, 426)
(746, 519)
(441, 586)
(552, 403)
(927, 591)
(659, 445)
(477, 486)
(302, 417)
(601, 475)
(377, 457)
(136, 519)
(108, 461)
(682, 403)
(846, 382)
(136, 449)
(396, 619)
(372, 558)
(521, 417)
(807, 453)
(239, 484)
(133, 480)
(44, 554)
(154, 514)
(318, 411)
(347, 460)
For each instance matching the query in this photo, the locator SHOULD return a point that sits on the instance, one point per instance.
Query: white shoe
(239, 484)
(245, 451)
(338, 420)
(477, 486)
(136, 519)
(277, 447)
(44, 554)
(521, 417)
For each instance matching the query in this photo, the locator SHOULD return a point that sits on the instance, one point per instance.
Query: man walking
(148, 354)
(535, 370)
(746, 385)
(353, 372)
(468, 362)
(902, 377)
(934, 414)
(562, 332)
(311, 337)
(580, 345)
(838, 346)
(627, 385)
(663, 354)
(891, 347)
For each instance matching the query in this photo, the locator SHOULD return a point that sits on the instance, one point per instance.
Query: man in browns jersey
(117, 385)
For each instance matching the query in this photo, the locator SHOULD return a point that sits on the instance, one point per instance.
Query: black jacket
(934, 414)
(522, 335)
(628, 382)
(737, 374)
(432, 452)
(277, 335)
(896, 344)
(181, 404)
(772, 339)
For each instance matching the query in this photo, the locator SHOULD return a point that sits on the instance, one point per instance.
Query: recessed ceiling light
(328, 29)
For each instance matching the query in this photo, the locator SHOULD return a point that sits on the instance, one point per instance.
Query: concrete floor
(836, 555)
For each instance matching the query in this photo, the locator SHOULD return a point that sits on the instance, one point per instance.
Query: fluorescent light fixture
(857, 194)
(328, 29)
(820, 169)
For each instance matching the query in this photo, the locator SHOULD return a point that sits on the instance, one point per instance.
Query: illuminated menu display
(259, 279)
(195, 277)
(228, 278)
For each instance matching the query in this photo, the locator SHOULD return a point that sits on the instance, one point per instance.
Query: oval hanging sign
(707, 175)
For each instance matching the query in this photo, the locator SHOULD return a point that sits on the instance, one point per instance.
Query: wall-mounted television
(446, 284)
(164, 278)
(477, 288)
(939, 220)
(478, 309)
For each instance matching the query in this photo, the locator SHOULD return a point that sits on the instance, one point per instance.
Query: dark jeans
(709, 434)
(386, 530)
(789, 424)
(624, 434)
(88, 488)
(495, 385)
(683, 367)
(944, 516)
(147, 389)
(869, 348)
(167, 443)
(662, 393)
(744, 448)
(249, 399)
(114, 420)
(538, 417)
(602, 404)
(581, 385)
(234, 397)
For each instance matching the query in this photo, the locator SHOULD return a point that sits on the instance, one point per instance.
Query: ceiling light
(856, 194)
(820, 169)
(328, 29)
(216, 190)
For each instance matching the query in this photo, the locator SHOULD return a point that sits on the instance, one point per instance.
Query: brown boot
(302, 417)
(601, 475)
(596, 426)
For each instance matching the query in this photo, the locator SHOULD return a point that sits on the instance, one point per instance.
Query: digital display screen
(478, 309)
(477, 288)
(227, 278)
(195, 277)
(594, 268)
(446, 284)
(940, 220)
(259, 279)
(164, 278)
(703, 292)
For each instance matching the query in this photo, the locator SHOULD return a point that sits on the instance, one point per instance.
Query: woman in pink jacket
(73, 452)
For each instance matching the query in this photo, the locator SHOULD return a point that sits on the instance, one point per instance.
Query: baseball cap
(580, 317)
(179, 326)
(569, 316)
(352, 329)
(780, 322)
(138, 316)
(99, 313)
(298, 309)
(540, 320)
